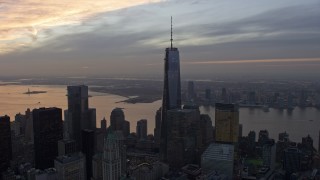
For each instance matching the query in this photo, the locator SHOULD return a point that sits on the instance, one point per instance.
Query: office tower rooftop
(66, 146)
(71, 166)
(218, 157)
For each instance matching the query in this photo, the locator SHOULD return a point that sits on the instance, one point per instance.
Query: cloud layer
(125, 38)
(22, 20)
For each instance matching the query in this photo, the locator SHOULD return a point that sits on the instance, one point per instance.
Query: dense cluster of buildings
(39, 145)
(281, 95)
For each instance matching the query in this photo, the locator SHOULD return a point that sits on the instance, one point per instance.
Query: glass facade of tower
(172, 79)
(227, 123)
(171, 93)
(79, 116)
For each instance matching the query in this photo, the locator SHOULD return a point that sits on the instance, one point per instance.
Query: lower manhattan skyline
(225, 90)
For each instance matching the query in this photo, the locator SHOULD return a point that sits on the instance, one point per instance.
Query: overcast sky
(127, 38)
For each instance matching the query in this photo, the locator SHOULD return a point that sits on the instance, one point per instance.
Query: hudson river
(298, 123)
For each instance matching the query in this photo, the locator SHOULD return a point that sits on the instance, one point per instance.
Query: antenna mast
(171, 33)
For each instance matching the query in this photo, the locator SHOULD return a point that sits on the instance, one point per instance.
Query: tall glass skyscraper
(47, 130)
(79, 116)
(171, 91)
(227, 123)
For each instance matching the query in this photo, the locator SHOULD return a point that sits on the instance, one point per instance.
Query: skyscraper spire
(171, 33)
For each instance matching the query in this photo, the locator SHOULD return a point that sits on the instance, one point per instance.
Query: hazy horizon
(267, 39)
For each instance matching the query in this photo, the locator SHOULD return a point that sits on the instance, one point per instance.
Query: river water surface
(298, 123)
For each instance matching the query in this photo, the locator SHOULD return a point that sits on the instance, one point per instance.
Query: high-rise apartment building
(227, 123)
(5, 143)
(48, 130)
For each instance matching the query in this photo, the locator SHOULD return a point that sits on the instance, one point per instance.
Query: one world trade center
(171, 91)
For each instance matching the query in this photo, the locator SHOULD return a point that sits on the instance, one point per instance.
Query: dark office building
(118, 122)
(252, 140)
(283, 137)
(252, 136)
(206, 129)
(240, 130)
(66, 147)
(104, 125)
(142, 130)
(48, 130)
(78, 115)
(184, 139)
(88, 149)
(227, 123)
(126, 129)
(307, 143)
(5, 143)
(263, 137)
(116, 119)
(191, 92)
(157, 129)
(291, 160)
